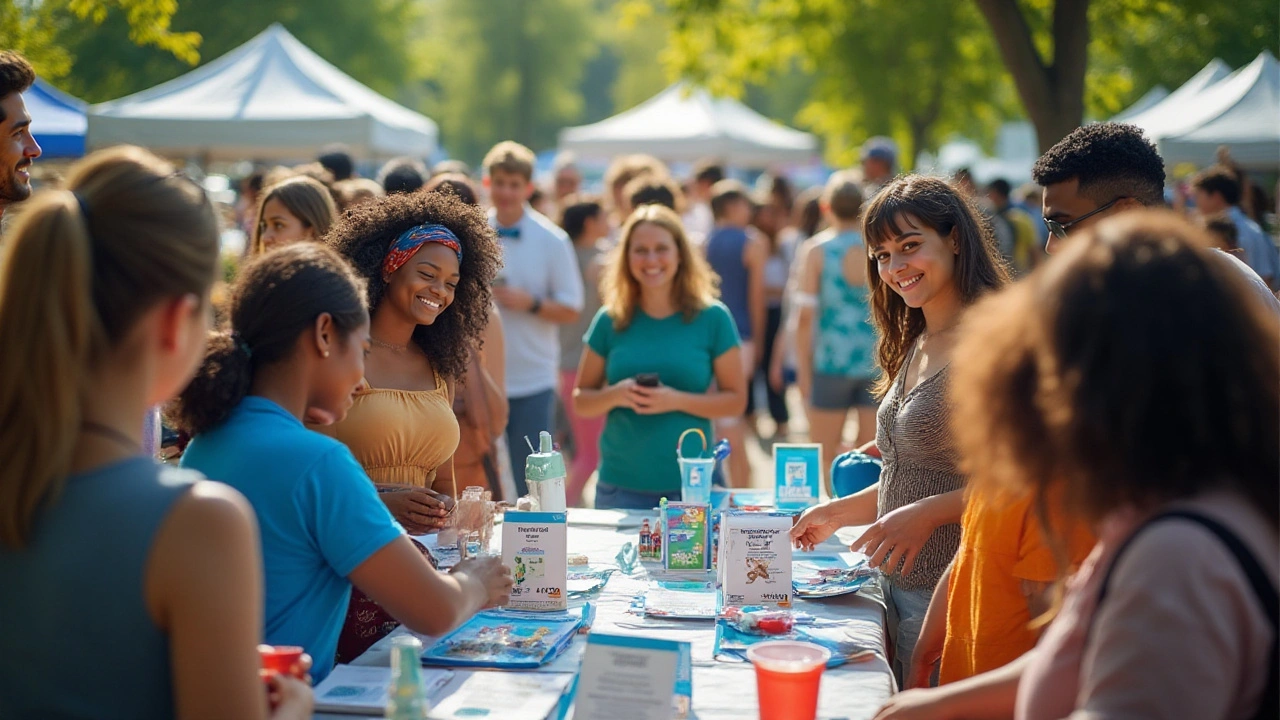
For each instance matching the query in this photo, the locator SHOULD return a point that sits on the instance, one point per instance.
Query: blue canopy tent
(58, 120)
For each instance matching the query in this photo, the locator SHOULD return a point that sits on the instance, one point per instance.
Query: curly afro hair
(1109, 160)
(365, 232)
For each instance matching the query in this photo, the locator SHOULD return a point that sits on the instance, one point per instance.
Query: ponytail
(277, 297)
(47, 332)
(77, 271)
(219, 385)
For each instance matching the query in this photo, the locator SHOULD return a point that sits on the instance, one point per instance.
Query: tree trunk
(1053, 93)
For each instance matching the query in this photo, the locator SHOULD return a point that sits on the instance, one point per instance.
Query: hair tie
(241, 345)
(412, 240)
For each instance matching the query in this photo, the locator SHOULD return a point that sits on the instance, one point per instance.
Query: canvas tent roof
(1146, 102)
(683, 123)
(1169, 113)
(272, 97)
(1241, 112)
(57, 120)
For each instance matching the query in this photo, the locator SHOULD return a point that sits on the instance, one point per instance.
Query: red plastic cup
(282, 659)
(788, 673)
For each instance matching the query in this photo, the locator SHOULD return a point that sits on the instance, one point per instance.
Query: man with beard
(17, 148)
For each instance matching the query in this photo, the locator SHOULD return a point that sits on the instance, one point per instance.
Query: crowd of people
(1078, 418)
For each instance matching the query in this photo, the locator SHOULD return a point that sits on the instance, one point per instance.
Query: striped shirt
(920, 461)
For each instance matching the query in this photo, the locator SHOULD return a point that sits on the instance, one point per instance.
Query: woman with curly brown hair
(1135, 377)
(929, 256)
(428, 259)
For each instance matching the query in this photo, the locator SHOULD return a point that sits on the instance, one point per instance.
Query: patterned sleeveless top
(844, 342)
(920, 460)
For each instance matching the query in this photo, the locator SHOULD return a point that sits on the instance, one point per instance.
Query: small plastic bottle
(406, 698)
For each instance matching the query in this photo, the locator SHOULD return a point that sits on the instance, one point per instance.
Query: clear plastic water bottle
(407, 696)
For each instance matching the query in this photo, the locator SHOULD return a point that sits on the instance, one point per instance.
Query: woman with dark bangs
(1081, 380)
(929, 257)
(428, 259)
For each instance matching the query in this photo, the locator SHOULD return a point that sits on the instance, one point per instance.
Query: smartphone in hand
(648, 380)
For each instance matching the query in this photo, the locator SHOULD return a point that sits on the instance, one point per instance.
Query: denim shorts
(905, 611)
(837, 392)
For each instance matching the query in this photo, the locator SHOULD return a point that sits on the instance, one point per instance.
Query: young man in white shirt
(539, 289)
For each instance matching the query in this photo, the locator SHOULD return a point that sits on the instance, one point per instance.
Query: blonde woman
(660, 317)
(104, 308)
(299, 209)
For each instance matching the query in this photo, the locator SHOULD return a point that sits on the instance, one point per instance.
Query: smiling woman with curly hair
(428, 260)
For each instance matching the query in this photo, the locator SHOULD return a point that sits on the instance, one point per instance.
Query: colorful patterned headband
(412, 240)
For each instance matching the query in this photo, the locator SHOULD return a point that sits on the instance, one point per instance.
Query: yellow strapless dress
(399, 436)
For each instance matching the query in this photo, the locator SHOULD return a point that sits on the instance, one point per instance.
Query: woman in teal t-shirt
(660, 316)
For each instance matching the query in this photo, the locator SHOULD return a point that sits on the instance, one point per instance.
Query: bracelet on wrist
(535, 307)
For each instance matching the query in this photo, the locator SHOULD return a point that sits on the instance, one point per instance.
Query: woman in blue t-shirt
(659, 317)
(298, 339)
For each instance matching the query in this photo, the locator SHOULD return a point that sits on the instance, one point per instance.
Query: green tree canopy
(33, 28)
(372, 40)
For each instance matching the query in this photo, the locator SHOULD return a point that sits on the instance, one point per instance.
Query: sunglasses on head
(1060, 230)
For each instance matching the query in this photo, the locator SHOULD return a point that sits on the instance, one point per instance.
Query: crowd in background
(1078, 417)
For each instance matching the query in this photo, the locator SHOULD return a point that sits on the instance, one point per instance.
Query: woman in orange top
(983, 611)
(428, 259)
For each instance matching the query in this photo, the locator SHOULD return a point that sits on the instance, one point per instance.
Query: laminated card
(755, 558)
(797, 470)
(535, 547)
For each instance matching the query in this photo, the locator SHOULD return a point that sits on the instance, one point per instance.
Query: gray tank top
(76, 640)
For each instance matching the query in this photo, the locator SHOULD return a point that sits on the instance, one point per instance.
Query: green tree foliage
(877, 66)
(1139, 44)
(922, 71)
(33, 27)
(372, 40)
(507, 69)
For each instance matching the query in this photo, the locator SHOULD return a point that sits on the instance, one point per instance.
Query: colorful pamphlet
(356, 690)
(506, 640)
(637, 678)
(535, 547)
(823, 576)
(797, 471)
(755, 558)
(685, 536)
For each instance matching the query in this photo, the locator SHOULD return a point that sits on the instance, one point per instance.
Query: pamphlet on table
(509, 696)
(353, 689)
(685, 536)
(507, 639)
(637, 678)
(535, 547)
(755, 558)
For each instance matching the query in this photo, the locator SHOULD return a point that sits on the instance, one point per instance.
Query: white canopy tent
(271, 98)
(1241, 112)
(1144, 103)
(1169, 113)
(683, 124)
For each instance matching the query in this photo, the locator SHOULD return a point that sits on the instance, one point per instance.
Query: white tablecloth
(720, 689)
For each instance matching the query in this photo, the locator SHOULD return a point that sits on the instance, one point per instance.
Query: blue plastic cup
(695, 479)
